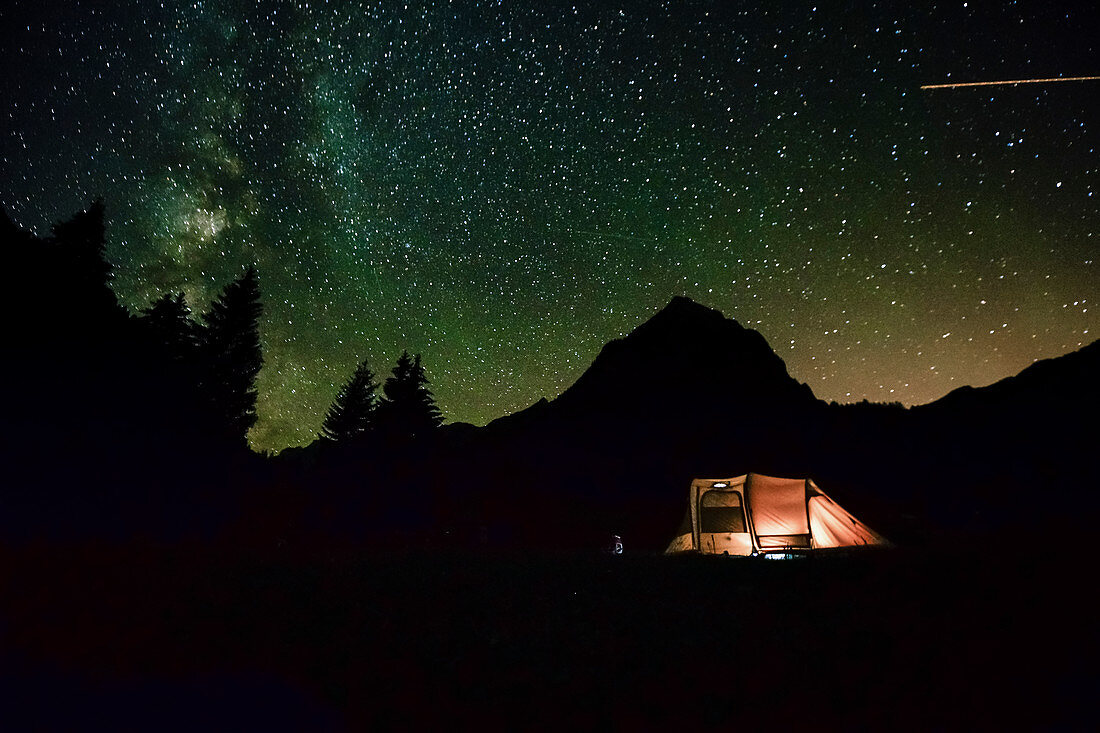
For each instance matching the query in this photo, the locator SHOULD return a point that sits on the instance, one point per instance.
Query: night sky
(506, 186)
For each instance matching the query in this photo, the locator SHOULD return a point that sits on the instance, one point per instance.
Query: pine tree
(232, 357)
(352, 413)
(22, 254)
(167, 323)
(81, 244)
(409, 409)
(171, 370)
(13, 239)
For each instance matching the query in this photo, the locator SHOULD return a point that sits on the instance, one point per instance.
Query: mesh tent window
(721, 511)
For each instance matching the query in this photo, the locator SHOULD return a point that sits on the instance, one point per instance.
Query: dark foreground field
(885, 641)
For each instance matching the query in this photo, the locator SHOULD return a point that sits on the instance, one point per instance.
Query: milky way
(507, 186)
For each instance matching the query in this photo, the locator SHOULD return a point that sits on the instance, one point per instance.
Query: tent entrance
(723, 529)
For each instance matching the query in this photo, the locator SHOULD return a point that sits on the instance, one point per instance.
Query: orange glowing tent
(764, 515)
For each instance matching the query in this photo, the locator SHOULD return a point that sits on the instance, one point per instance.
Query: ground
(900, 639)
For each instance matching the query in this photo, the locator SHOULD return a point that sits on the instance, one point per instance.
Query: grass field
(163, 640)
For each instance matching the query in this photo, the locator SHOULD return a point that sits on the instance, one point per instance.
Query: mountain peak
(683, 318)
(686, 353)
(682, 303)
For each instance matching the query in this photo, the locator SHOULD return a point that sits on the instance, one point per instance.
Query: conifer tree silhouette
(167, 323)
(13, 239)
(232, 356)
(9, 230)
(352, 413)
(22, 254)
(80, 246)
(172, 371)
(409, 409)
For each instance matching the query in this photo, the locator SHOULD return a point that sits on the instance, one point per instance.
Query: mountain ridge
(667, 346)
(691, 393)
(607, 450)
(700, 318)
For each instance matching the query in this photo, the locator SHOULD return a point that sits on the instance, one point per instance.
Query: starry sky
(506, 186)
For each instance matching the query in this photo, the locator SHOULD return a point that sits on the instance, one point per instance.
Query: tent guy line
(1008, 82)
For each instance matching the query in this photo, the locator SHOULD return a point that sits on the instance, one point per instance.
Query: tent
(754, 515)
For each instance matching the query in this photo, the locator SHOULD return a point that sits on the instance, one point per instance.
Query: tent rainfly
(754, 515)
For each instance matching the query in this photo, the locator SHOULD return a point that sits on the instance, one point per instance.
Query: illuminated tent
(754, 514)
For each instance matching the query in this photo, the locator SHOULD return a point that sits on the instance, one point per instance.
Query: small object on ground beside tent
(615, 547)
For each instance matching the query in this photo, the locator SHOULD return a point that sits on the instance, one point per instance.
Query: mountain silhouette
(1021, 451)
(1048, 383)
(686, 360)
(688, 392)
(104, 439)
(692, 393)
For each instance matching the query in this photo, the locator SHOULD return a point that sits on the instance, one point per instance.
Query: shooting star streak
(1009, 82)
